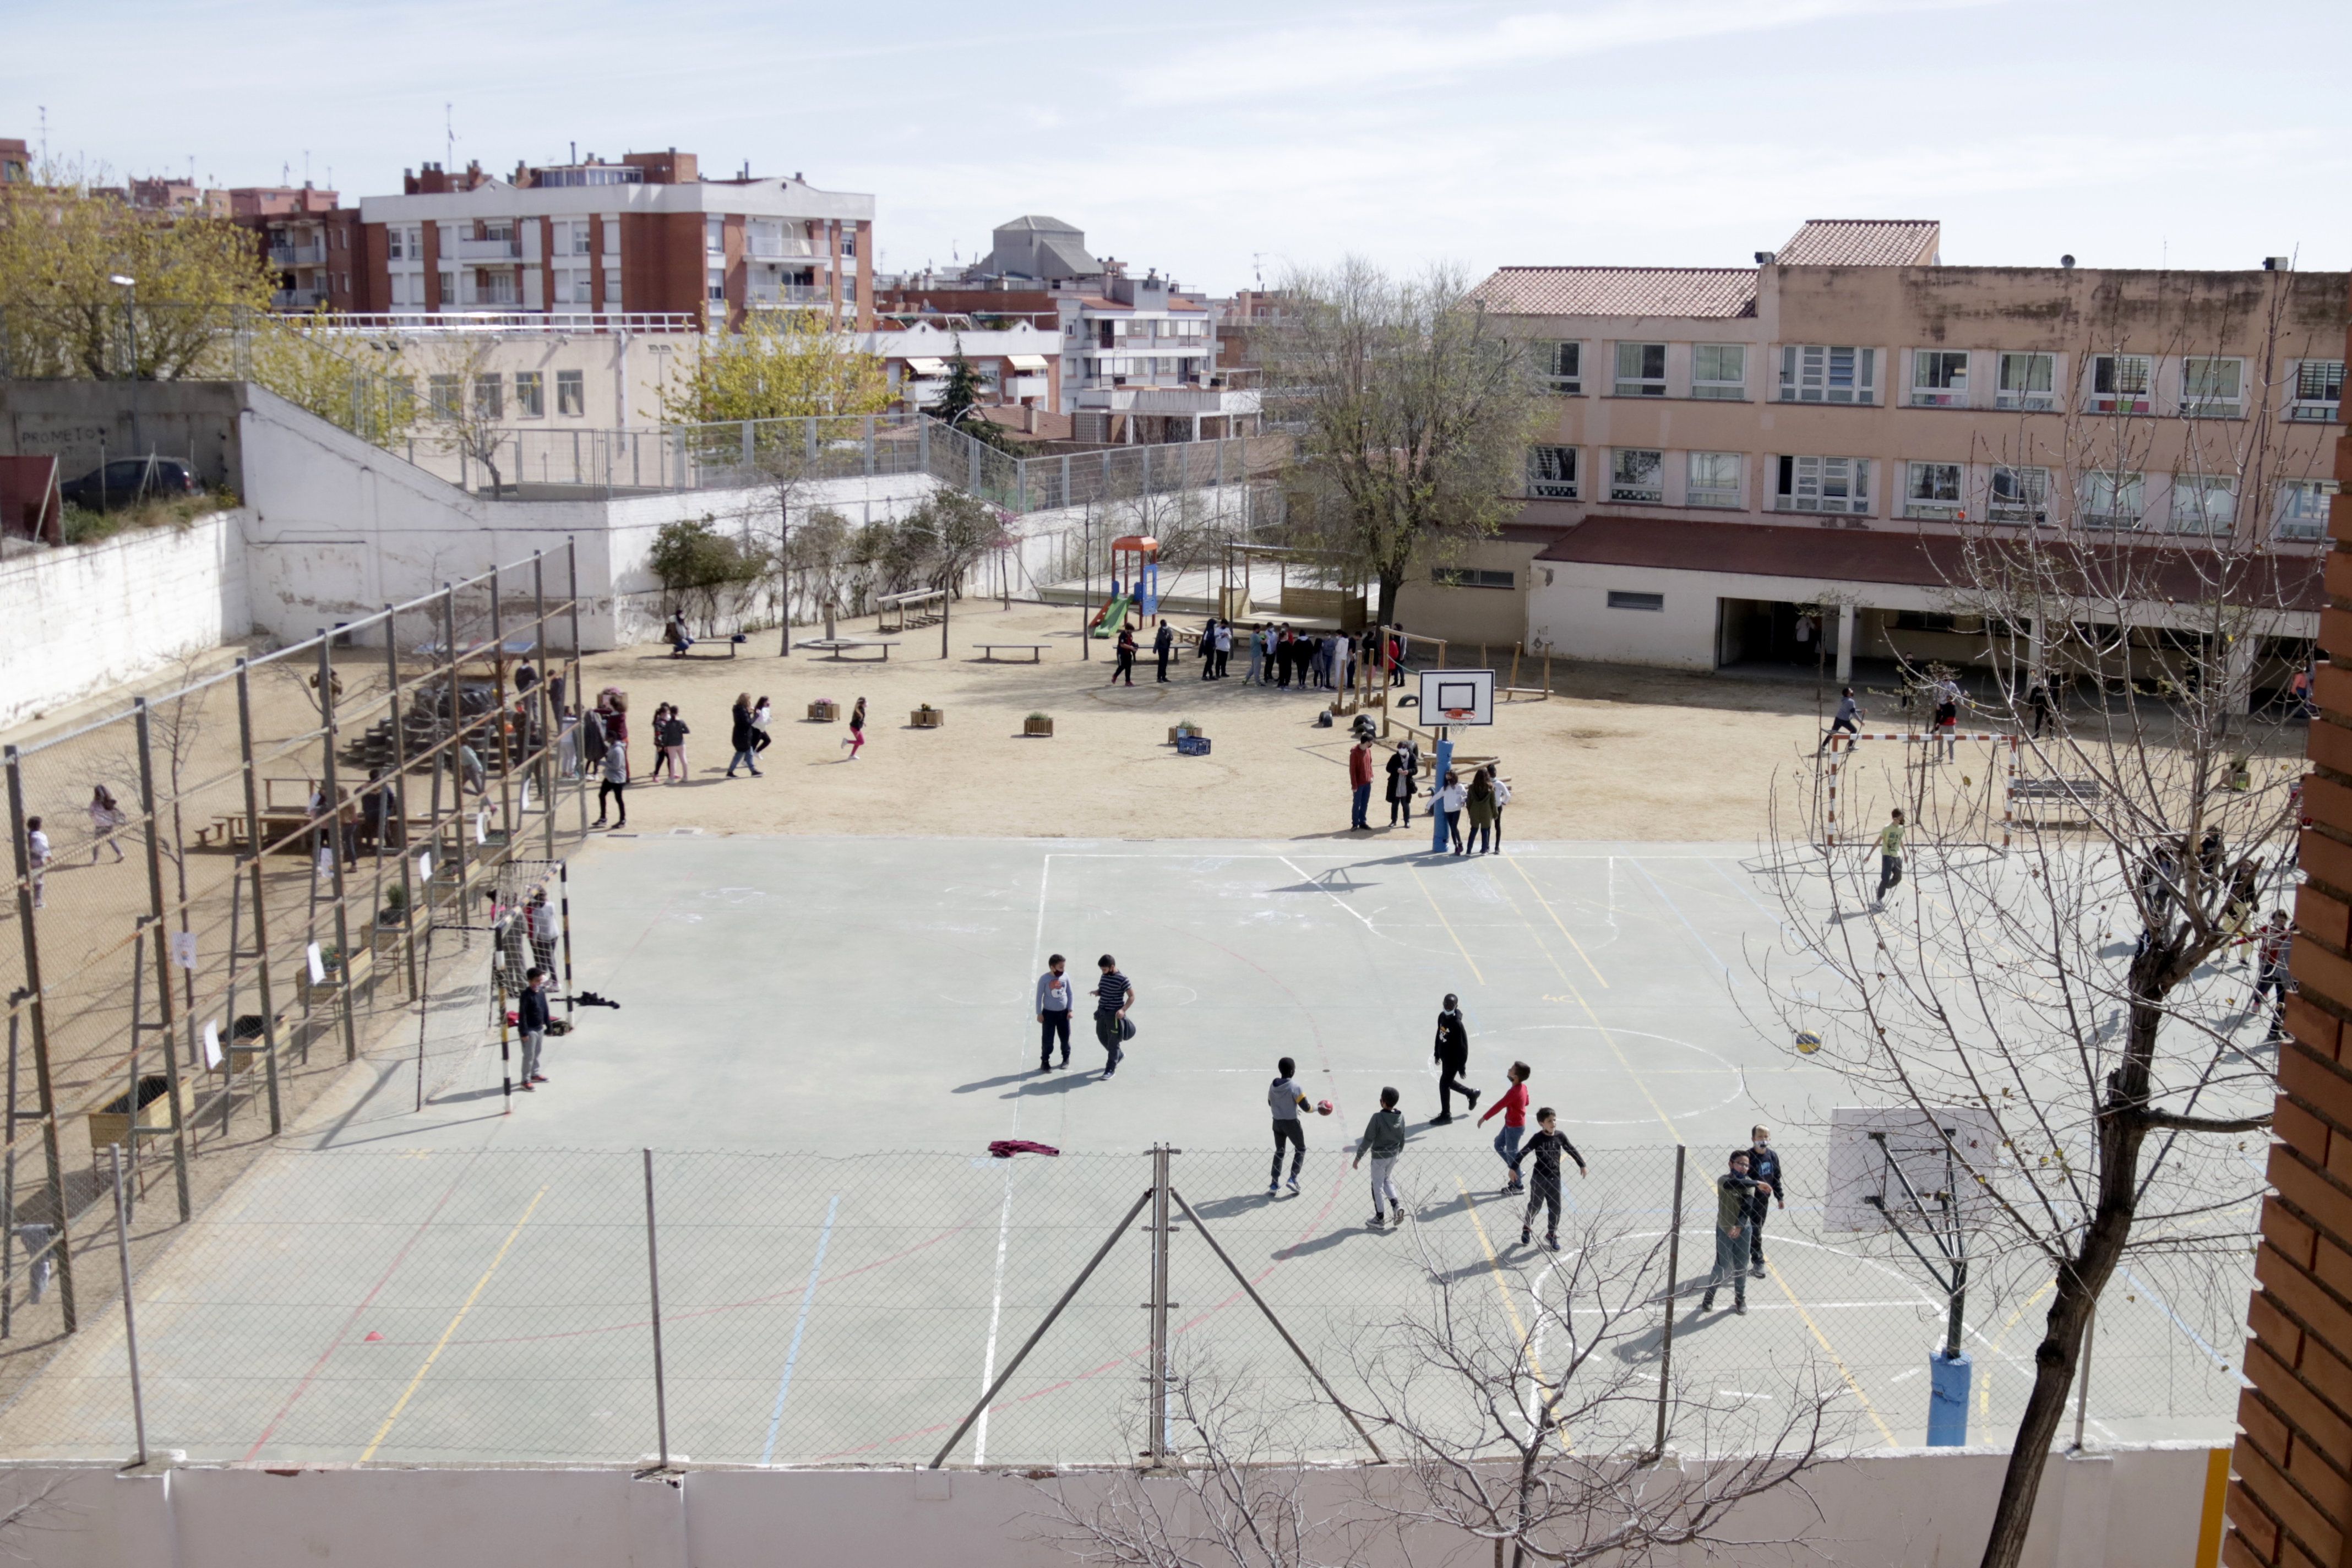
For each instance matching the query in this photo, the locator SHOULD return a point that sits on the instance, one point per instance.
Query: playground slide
(1113, 616)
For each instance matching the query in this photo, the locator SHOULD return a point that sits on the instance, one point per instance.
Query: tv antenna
(449, 136)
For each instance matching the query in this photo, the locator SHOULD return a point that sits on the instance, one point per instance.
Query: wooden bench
(837, 647)
(731, 645)
(988, 650)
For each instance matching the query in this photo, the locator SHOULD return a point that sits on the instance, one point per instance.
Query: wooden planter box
(1179, 732)
(927, 718)
(353, 969)
(1036, 726)
(823, 712)
(110, 1121)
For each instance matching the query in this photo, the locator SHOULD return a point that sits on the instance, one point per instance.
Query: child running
(1514, 1107)
(857, 729)
(1548, 1145)
(1286, 1099)
(1384, 1137)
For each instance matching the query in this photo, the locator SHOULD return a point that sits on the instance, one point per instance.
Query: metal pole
(549, 720)
(1673, 1269)
(1959, 1255)
(45, 1086)
(16, 999)
(394, 810)
(506, 1041)
(652, 1280)
(162, 961)
(457, 739)
(130, 1318)
(1086, 584)
(335, 838)
(260, 910)
(1158, 1452)
(2083, 1376)
(563, 882)
(572, 570)
(498, 706)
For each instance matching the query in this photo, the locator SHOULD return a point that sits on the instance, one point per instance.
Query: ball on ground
(1322, 1108)
(1808, 1043)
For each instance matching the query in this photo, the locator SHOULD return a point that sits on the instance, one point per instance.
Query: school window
(2303, 507)
(2021, 495)
(2210, 388)
(448, 290)
(850, 293)
(570, 392)
(487, 402)
(1720, 371)
(2119, 382)
(1641, 370)
(1470, 577)
(1637, 474)
(1840, 485)
(1712, 479)
(612, 284)
(2113, 500)
(530, 399)
(1619, 599)
(2027, 382)
(1939, 378)
(2203, 503)
(1551, 473)
(1828, 373)
(392, 247)
(1932, 490)
(443, 392)
(714, 235)
(2318, 391)
(718, 284)
(1558, 368)
(849, 241)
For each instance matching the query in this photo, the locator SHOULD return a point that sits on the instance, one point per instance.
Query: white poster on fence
(212, 1043)
(425, 867)
(318, 962)
(526, 795)
(482, 827)
(183, 949)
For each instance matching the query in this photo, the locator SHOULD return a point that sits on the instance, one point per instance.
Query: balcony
(786, 295)
(759, 250)
(1170, 400)
(311, 255)
(298, 299)
(2316, 412)
(488, 250)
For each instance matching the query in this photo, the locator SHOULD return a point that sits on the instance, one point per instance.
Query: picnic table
(988, 650)
(837, 647)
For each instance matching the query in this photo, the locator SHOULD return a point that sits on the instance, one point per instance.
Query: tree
(952, 530)
(300, 361)
(697, 563)
(960, 405)
(777, 365)
(1412, 415)
(2072, 994)
(464, 407)
(62, 245)
(817, 552)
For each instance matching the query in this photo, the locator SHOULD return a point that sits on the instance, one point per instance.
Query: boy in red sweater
(1514, 1107)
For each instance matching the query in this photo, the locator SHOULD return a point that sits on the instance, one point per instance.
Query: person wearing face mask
(1764, 1169)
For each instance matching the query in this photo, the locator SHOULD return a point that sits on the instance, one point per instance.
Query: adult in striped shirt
(1113, 997)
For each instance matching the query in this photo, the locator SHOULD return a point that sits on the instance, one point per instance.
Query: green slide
(1113, 616)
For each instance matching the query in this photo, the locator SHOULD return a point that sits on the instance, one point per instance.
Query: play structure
(1134, 587)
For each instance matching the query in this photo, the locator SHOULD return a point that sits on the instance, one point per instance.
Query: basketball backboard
(1457, 696)
(1861, 1173)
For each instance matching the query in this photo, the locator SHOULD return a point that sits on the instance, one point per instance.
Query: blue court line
(808, 1297)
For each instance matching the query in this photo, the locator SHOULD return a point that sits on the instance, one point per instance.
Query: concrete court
(797, 1013)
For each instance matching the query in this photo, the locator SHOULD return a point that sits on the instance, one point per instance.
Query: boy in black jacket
(1764, 1169)
(1548, 1145)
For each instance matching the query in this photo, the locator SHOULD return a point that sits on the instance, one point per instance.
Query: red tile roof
(1715, 292)
(1861, 242)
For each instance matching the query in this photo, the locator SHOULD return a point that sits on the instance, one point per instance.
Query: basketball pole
(1437, 844)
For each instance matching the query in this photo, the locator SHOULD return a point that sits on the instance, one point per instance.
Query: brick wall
(2290, 1498)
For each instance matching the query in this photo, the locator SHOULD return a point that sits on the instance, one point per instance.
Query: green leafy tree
(697, 564)
(777, 365)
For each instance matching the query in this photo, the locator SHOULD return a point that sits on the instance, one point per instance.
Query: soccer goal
(1957, 789)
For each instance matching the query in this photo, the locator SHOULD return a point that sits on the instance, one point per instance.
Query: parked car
(129, 480)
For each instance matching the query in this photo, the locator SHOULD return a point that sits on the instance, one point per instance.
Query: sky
(1226, 142)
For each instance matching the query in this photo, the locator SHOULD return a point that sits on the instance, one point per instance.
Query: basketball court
(819, 1038)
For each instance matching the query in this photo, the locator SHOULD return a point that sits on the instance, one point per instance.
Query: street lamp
(130, 286)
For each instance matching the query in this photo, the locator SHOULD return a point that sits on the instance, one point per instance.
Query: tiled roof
(1861, 242)
(1719, 292)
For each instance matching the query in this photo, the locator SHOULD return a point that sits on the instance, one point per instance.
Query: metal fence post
(163, 963)
(45, 1085)
(506, 821)
(1158, 1306)
(1674, 1268)
(653, 1282)
(335, 839)
(2082, 1373)
(130, 1320)
(578, 697)
(550, 721)
(260, 910)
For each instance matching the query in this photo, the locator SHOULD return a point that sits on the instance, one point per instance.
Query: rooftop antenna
(575, 152)
(45, 133)
(305, 165)
(449, 136)
(1258, 267)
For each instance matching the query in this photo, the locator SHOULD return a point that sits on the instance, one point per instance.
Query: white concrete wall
(88, 616)
(2143, 1508)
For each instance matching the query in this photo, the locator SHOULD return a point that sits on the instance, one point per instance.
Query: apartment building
(309, 238)
(648, 235)
(16, 161)
(1752, 464)
(1138, 355)
(1017, 363)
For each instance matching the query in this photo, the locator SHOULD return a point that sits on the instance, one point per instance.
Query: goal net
(1954, 790)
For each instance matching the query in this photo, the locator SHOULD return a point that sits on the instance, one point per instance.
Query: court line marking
(471, 1297)
(1447, 924)
(808, 1297)
(1530, 881)
(1676, 909)
(1993, 1346)
(1773, 1269)
(995, 1305)
(1304, 875)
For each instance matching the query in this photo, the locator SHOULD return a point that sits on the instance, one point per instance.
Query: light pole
(130, 286)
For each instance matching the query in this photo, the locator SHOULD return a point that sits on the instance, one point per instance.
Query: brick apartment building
(1736, 457)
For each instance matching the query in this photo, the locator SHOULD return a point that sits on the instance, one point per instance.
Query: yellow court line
(1984, 1390)
(1448, 925)
(1530, 881)
(471, 1297)
(1868, 1408)
(1503, 1289)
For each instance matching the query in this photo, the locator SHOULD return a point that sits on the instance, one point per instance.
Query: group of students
(1114, 995)
(1483, 797)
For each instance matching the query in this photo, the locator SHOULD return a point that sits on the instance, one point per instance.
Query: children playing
(1548, 1145)
(1384, 1138)
(1514, 1107)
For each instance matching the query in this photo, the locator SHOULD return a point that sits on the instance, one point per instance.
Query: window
(530, 395)
(2203, 503)
(1932, 490)
(2210, 388)
(1712, 480)
(487, 402)
(1641, 370)
(1635, 475)
(1470, 577)
(2318, 391)
(570, 392)
(718, 284)
(1720, 370)
(1829, 374)
(1551, 473)
(611, 285)
(849, 290)
(2119, 383)
(443, 391)
(1620, 600)
(1559, 367)
(1824, 484)
(448, 290)
(2303, 507)
(2027, 382)
(392, 243)
(2021, 495)
(499, 228)
(1939, 378)
(494, 287)
(714, 235)
(2113, 500)
(848, 240)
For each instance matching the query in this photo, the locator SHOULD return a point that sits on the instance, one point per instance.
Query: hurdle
(1913, 738)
